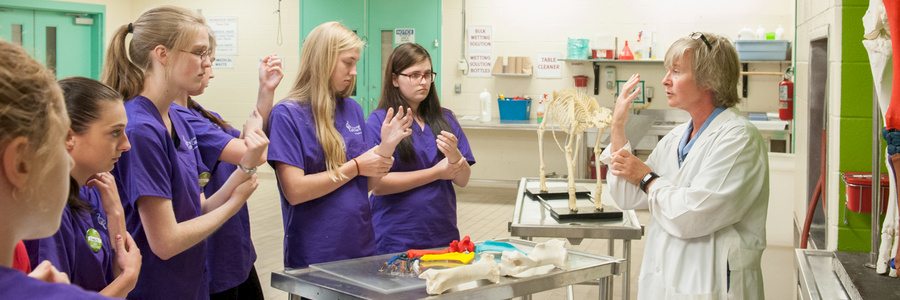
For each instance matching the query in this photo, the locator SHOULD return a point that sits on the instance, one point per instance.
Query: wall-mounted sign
(547, 65)
(223, 62)
(225, 29)
(479, 40)
(404, 35)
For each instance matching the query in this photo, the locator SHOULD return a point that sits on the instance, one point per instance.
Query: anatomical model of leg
(552, 252)
(574, 112)
(879, 46)
(438, 281)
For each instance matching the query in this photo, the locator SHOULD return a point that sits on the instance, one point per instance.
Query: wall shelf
(510, 75)
(614, 61)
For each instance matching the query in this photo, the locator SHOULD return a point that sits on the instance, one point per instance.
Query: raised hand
(448, 170)
(109, 194)
(270, 72)
(256, 142)
(254, 122)
(447, 144)
(620, 113)
(393, 129)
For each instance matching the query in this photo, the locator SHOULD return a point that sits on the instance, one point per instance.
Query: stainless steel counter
(819, 275)
(530, 219)
(317, 284)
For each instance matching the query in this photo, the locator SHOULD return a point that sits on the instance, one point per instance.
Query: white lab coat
(711, 209)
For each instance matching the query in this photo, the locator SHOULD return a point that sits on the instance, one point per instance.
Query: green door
(374, 21)
(63, 46)
(420, 18)
(17, 26)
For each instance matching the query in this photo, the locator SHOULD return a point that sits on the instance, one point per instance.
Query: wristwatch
(248, 171)
(647, 179)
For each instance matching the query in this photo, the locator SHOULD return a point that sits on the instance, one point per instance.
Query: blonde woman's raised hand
(271, 71)
(620, 113)
(393, 129)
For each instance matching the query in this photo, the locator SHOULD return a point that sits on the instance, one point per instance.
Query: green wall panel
(851, 40)
(853, 239)
(855, 145)
(856, 91)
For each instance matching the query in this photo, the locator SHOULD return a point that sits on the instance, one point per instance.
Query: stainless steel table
(531, 219)
(314, 283)
(820, 275)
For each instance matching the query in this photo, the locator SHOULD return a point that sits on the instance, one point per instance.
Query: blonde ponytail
(118, 71)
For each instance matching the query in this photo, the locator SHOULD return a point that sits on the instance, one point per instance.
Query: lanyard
(686, 142)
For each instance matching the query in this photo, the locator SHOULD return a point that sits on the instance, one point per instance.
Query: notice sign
(547, 65)
(480, 44)
(223, 62)
(404, 35)
(225, 29)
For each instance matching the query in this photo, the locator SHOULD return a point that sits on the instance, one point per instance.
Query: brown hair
(31, 106)
(318, 58)
(196, 106)
(83, 97)
(405, 56)
(170, 26)
(716, 67)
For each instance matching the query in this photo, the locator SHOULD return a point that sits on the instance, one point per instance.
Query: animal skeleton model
(575, 112)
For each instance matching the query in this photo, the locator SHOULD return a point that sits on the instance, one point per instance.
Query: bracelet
(248, 171)
(647, 179)
(357, 166)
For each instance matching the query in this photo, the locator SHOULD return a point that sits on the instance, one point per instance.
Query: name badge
(94, 240)
(204, 179)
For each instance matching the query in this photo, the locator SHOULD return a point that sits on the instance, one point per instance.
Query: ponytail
(120, 73)
(208, 115)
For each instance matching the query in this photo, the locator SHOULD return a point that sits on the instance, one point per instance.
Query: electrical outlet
(457, 88)
(648, 92)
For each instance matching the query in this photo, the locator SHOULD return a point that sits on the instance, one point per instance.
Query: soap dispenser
(779, 33)
(760, 33)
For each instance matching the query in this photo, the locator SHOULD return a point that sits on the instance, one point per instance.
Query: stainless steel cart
(531, 220)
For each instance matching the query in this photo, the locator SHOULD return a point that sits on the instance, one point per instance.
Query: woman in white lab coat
(706, 183)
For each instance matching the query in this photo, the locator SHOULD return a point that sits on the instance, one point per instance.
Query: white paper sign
(225, 29)
(547, 65)
(223, 62)
(479, 40)
(404, 35)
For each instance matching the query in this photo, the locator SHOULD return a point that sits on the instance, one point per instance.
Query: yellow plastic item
(444, 264)
(452, 256)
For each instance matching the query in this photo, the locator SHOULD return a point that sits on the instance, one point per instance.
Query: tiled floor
(483, 214)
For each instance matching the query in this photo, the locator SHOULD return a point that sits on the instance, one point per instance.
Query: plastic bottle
(540, 109)
(760, 33)
(779, 33)
(746, 34)
(485, 106)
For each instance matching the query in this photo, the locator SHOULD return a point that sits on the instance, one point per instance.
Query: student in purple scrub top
(82, 247)
(414, 206)
(230, 254)
(159, 178)
(34, 173)
(324, 160)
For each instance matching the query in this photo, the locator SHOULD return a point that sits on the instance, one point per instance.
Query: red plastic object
(892, 116)
(626, 53)
(580, 81)
(859, 191)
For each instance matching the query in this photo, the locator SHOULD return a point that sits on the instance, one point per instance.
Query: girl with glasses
(159, 179)
(414, 206)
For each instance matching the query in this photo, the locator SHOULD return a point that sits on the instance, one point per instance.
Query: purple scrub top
(423, 217)
(335, 226)
(68, 250)
(230, 252)
(159, 165)
(16, 285)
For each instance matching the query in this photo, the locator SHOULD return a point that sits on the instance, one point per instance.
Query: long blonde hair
(170, 26)
(318, 58)
(31, 106)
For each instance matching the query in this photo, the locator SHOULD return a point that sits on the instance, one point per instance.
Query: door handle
(371, 104)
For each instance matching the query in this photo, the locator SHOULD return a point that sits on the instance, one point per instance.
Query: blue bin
(514, 109)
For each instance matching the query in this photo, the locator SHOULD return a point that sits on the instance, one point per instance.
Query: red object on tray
(455, 246)
(859, 191)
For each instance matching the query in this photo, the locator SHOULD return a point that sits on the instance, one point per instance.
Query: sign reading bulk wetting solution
(547, 65)
(404, 35)
(480, 45)
(225, 29)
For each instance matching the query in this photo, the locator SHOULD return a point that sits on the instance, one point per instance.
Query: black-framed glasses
(699, 35)
(203, 55)
(417, 77)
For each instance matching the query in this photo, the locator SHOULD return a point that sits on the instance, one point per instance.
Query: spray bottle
(485, 106)
(540, 109)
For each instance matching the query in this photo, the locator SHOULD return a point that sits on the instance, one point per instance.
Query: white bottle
(779, 33)
(760, 33)
(746, 34)
(485, 106)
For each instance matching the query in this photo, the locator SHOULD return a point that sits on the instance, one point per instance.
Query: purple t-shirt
(230, 252)
(423, 217)
(159, 165)
(16, 285)
(81, 248)
(335, 226)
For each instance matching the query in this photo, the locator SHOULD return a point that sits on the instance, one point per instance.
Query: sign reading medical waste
(479, 40)
(223, 62)
(404, 35)
(547, 65)
(225, 29)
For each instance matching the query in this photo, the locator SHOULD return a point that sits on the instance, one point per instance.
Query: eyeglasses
(203, 55)
(417, 77)
(699, 35)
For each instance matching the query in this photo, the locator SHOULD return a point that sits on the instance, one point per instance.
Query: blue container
(763, 49)
(514, 109)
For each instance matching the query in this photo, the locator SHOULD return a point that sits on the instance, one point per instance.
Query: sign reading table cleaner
(225, 29)
(480, 40)
(547, 65)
